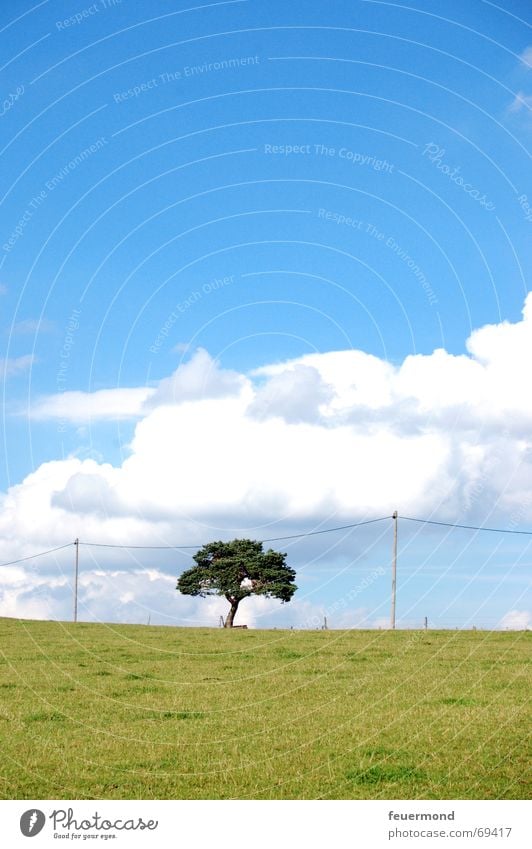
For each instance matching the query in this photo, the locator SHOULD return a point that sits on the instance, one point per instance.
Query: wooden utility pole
(76, 543)
(394, 570)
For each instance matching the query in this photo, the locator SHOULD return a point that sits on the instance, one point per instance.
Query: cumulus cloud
(337, 436)
(340, 433)
(88, 491)
(200, 378)
(26, 593)
(297, 394)
(517, 620)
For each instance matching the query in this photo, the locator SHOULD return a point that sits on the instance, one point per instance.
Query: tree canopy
(236, 570)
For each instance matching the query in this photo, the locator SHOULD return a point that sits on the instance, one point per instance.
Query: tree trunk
(232, 613)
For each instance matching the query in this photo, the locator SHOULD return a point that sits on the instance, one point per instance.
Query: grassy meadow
(126, 712)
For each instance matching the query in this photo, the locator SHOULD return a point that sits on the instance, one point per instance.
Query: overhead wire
(271, 539)
(466, 527)
(39, 554)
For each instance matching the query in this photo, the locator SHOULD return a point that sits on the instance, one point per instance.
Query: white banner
(282, 825)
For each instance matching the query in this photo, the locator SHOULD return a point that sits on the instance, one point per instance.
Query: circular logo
(32, 822)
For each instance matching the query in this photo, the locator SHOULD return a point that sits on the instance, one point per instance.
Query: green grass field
(125, 712)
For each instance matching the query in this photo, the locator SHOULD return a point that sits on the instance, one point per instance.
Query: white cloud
(201, 377)
(27, 593)
(297, 394)
(521, 101)
(32, 326)
(88, 491)
(82, 407)
(137, 595)
(15, 365)
(517, 620)
(325, 437)
(341, 433)
(526, 57)
(382, 622)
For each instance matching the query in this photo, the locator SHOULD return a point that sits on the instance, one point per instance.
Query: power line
(269, 539)
(40, 554)
(150, 547)
(327, 530)
(466, 527)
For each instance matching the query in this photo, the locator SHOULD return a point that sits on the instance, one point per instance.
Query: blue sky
(195, 200)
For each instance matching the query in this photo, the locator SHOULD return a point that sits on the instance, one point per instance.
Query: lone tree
(236, 570)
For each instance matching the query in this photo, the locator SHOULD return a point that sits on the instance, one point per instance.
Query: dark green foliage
(42, 716)
(386, 773)
(236, 570)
